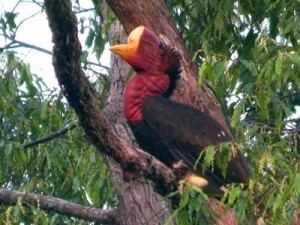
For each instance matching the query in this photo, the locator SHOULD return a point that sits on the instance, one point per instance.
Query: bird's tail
(196, 180)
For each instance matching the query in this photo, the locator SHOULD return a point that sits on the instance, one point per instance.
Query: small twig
(51, 136)
(84, 10)
(26, 45)
(37, 3)
(16, 5)
(289, 95)
(293, 131)
(24, 20)
(97, 64)
(40, 49)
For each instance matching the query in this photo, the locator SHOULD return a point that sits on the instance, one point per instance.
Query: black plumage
(174, 131)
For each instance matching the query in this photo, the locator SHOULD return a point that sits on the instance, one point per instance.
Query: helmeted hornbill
(173, 132)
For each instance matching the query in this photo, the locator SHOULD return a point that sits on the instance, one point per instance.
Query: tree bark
(140, 204)
(61, 206)
(134, 13)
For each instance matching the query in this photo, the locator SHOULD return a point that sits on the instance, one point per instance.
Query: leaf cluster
(66, 167)
(248, 52)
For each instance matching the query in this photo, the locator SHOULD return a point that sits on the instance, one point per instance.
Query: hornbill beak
(130, 50)
(125, 51)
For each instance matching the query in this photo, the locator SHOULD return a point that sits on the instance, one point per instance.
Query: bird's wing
(178, 122)
(190, 131)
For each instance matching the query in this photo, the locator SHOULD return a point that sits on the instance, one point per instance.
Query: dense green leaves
(66, 167)
(191, 207)
(248, 52)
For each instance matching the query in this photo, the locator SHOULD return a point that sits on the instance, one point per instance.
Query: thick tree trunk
(132, 14)
(155, 15)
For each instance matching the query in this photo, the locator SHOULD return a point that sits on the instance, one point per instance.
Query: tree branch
(60, 206)
(81, 96)
(14, 41)
(50, 136)
(293, 131)
(20, 44)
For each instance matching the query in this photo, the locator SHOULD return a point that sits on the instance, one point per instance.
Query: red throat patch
(140, 87)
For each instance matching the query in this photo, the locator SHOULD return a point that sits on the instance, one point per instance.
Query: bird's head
(142, 50)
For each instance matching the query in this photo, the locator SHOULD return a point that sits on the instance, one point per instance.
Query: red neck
(140, 87)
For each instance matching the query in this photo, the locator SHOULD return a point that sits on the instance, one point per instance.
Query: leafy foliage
(247, 51)
(66, 167)
(191, 208)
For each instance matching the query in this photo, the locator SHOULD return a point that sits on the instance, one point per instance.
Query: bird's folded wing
(190, 131)
(177, 123)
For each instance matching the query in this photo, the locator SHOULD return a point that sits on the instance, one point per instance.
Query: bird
(175, 133)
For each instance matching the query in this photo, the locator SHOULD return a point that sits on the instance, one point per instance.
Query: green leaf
(76, 185)
(204, 72)
(278, 64)
(90, 38)
(296, 184)
(250, 66)
(26, 77)
(278, 203)
(10, 20)
(241, 208)
(234, 194)
(184, 199)
(262, 100)
(183, 218)
(209, 156)
(44, 110)
(236, 116)
(219, 69)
